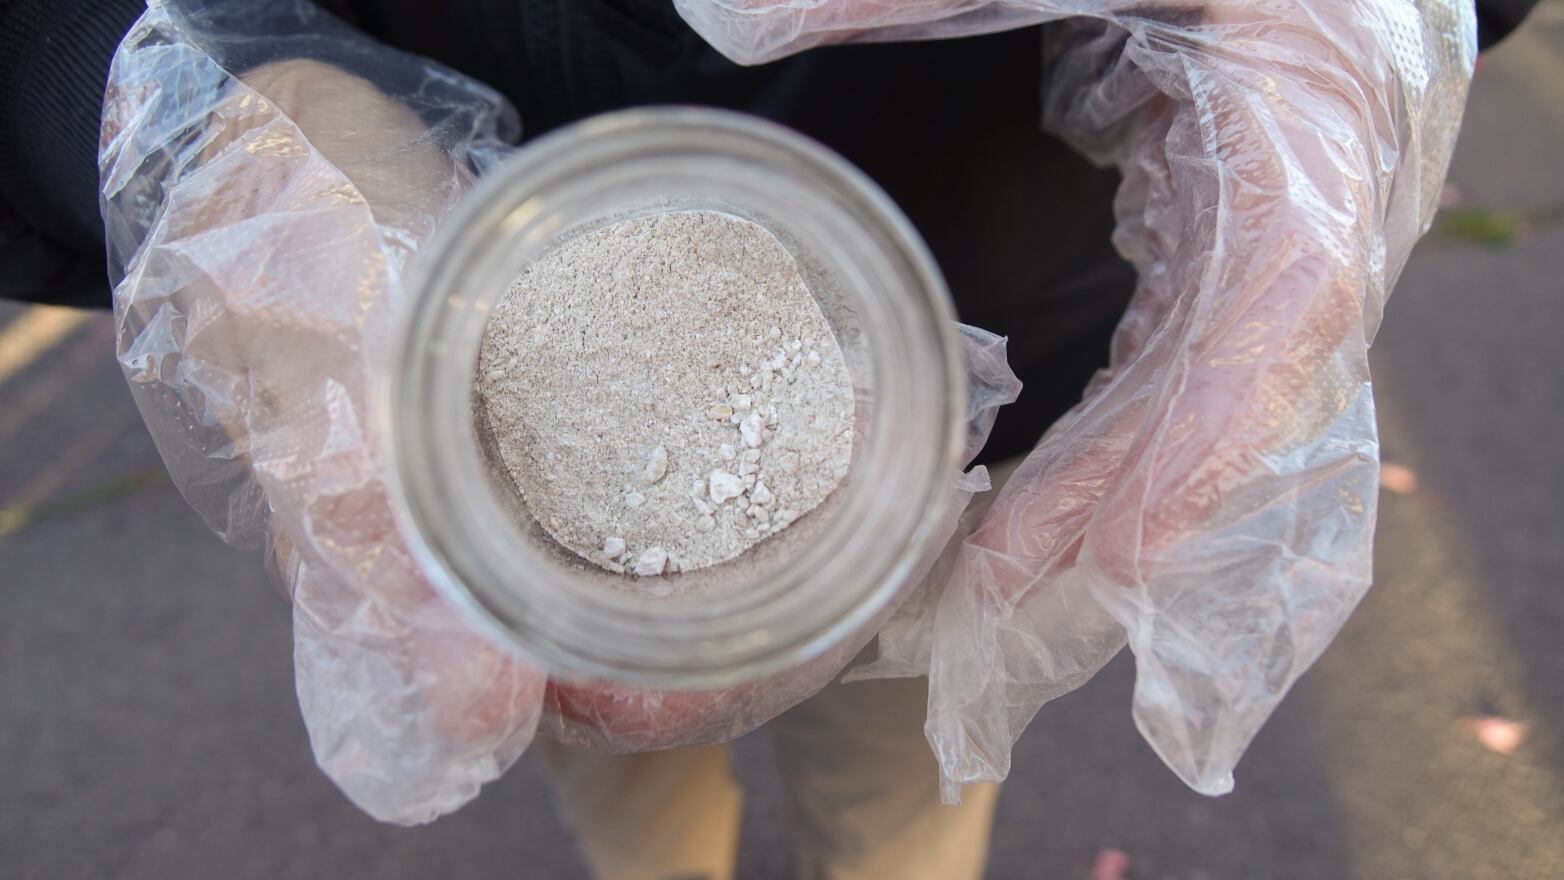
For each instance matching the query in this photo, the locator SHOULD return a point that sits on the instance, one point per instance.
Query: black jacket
(1019, 224)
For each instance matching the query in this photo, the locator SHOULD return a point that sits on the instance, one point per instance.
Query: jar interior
(825, 283)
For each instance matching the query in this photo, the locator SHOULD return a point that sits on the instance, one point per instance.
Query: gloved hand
(259, 227)
(1211, 501)
(288, 203)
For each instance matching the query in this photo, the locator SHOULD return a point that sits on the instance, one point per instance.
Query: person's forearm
(56, 58)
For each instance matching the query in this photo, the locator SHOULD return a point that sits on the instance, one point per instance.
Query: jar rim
(836, 587)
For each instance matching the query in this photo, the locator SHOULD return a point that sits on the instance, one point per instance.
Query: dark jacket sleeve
(55, 57)
(1497, 18)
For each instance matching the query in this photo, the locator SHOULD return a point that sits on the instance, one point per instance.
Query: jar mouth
(465, 540)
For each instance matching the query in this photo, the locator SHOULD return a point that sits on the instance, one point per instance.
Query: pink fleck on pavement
(1110, 864)
(1498, 734)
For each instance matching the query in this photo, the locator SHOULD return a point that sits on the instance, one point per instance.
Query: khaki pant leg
(670, 815)
(863, 789)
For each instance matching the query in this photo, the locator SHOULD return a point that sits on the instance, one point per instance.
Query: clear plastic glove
(259, 225)
(1212, 499)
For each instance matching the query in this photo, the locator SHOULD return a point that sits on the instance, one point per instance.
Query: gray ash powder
(665, 392)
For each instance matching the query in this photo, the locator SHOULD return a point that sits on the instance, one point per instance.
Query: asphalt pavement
(148, 726)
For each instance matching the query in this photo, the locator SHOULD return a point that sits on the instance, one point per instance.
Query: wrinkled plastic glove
(286, 205)
(258, 230)
(1211, 501)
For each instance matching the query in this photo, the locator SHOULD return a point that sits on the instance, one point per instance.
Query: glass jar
(797, 593)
